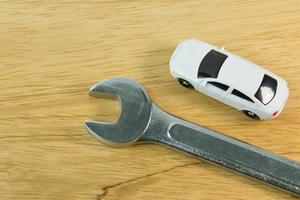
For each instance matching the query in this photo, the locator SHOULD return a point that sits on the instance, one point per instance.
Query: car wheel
(185, 83)
(251, 114)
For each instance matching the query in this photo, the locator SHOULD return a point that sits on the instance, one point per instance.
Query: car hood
(188, 56)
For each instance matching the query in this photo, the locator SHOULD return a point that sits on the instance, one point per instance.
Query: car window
(241, 95)
(219, 85)
(211, 64)
(266, 90)
(203, 75)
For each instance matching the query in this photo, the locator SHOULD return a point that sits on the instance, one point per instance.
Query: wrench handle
(223, 150)
(236, 155)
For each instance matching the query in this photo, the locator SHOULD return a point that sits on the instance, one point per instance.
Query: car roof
(241, 74)
(188, 55)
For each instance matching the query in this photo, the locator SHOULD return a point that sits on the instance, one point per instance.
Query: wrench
(142, 121)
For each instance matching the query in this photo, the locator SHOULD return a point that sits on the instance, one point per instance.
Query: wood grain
(53, 51)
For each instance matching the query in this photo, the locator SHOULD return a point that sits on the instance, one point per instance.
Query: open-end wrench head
(135, 112)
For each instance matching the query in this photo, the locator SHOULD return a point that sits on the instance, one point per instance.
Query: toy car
(257, 92)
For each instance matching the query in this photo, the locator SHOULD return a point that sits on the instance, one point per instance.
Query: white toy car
(257, 92)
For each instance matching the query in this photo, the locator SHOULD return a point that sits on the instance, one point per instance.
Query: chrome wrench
(143, 121)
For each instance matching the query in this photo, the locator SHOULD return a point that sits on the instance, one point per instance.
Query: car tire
(185, 83)
(251, 114)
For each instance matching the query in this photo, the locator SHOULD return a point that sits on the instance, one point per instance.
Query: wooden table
(52, 52)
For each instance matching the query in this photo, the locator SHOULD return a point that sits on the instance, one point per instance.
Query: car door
(214, 89)
(239, 100)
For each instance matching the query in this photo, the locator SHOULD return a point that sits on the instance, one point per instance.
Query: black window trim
(260, 87)
(219, 59)
(245, 97)
(215, 83)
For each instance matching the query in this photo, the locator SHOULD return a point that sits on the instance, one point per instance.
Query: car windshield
(266, 90)
(211, 64)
